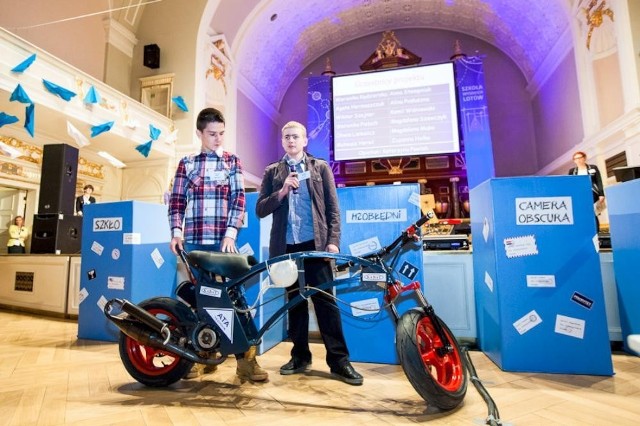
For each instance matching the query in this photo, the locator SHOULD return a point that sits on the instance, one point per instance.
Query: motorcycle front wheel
(440, 379)
(153, 366)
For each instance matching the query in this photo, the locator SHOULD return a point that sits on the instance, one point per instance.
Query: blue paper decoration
(92, 96)
(101, 128)
(144, 148)
(180, 102)
(22, 66)
(29, 119)
(58, 90)
(154, 132)
(20, 95)
(7, 119)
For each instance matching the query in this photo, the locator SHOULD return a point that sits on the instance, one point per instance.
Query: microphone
(292, 169)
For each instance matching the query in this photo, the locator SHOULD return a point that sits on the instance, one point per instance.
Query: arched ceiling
(270, 53)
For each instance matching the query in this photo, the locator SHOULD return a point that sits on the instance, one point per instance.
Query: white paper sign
(363, 247)
(157, 258)
(372, 216)
(101, 302)
(97, 248)
(541, 281)
(246, 250)
(414, 199)
(488, 281)
(210, 291)
(115, 283)
(107, 224)
(224, 319)
(131, 238)
(544, 211)
(520, 246)
(82, 294)
(365, 307)
(485, 229)
(568, 326)
(527, 322)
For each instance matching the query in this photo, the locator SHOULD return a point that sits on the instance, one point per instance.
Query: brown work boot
(208, 369)
(248, 367)
(195, 372)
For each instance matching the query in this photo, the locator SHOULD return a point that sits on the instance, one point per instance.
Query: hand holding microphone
(292, 169)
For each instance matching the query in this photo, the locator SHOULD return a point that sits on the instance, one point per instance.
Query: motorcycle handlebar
(407, 234)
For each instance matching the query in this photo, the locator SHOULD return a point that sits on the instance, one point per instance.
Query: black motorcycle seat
(230, 265)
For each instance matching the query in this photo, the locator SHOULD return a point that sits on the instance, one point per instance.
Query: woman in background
(597, 190)
(17, 234)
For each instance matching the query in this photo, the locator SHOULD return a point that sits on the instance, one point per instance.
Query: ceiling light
(113, 160)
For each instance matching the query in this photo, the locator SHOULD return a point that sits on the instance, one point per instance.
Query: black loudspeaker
(151, 57)
(56, 234)
(58, 179)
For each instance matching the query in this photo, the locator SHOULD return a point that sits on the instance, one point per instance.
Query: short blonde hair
(295, 124)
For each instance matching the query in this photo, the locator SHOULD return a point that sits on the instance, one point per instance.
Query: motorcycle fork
(395, 289)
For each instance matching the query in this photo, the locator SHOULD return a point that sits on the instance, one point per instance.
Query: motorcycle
(161, 338)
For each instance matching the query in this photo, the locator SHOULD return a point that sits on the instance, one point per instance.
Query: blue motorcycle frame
(161, 338)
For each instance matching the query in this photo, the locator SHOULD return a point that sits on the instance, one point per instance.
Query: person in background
(85, 198)
(206, 209)
(17, 234)
(299, 191)
(591, 170)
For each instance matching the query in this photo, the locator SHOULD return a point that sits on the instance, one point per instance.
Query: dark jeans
(316, 271)
(15, 249)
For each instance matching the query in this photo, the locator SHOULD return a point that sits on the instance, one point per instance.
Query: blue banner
(474, 120)
(319, 117)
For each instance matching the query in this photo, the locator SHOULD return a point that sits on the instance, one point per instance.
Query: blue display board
(372, 217)
(539, 297)
(125, 254)
(253, 239)
(624, 221)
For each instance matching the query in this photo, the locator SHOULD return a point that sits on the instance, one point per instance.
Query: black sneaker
(347, 374)
(295, 366)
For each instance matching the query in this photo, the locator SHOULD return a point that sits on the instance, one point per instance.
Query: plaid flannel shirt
(208, 198)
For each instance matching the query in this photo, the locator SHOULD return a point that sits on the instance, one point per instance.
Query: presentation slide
(394, 113)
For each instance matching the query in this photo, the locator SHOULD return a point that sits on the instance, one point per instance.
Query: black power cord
(493, 417)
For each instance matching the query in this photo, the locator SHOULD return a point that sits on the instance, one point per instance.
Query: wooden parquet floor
(49, 377)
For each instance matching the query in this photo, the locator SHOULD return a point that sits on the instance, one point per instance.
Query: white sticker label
(115, 254)
(210, 291)
(382, 215)
(101, 302)
(544, 211)
(568, 326)
(304, 175)
(485, 229)
(131, 238)
(374, 276)
(246, 250)
(224, 319)
(527, 322)
(414, 199)
(367, 246)
(97, 248)
(82, 294)
(365, 307)
(541, 281)
(488, 281)
(157, 258)
(107, 224)
(115, 283)
(520, 246)
(219, 176)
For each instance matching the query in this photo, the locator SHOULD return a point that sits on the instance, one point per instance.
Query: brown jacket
(324, 200)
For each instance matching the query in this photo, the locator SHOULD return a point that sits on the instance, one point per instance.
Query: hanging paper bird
(154, 132)
(180, 102)
(144, 148)
(58, 90)
(29, 119)
(7, 119)
(101, 128)
(92, 96)
(22, 66)
(20, 95)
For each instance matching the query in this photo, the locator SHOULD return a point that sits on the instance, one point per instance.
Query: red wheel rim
(446, 370)
(148, 360)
